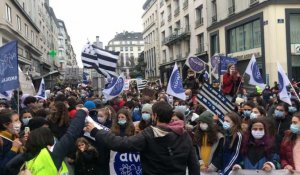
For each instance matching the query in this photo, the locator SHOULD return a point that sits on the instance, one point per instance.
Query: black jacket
(86, 163)
(61, 149)
(166, 153)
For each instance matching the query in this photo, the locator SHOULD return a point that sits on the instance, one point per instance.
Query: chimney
(97, 39)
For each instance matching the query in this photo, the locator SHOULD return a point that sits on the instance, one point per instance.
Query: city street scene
(150, 87)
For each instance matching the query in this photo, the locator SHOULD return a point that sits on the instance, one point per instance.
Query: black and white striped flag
(214, 101)
(141, 84)
(105, 62)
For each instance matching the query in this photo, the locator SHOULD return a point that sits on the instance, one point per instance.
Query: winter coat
(286, 150)
(281, 127)
(162, 151)
(230, 84)
(86, 163)
(7, 152)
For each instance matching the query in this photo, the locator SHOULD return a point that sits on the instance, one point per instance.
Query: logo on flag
(115, 88)
(175, 87)
(42, 90)
(9, 76)
(255, 76)
(195, 63)
(283, 83)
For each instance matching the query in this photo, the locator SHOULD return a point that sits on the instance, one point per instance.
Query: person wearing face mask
(26, 116)
(10, 145)
(290, 146)
(146, 118)
(105, 116)
(122, 125)
(228, 153)
(206, 138)
(3, 104)
(258, 148)
(191, 82)
(282, 121)
(260, 112)
(247, 109)
(294, 107)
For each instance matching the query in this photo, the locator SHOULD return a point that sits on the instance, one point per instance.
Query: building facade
(269, 29)
(130, 45)
(181, 32)
(34, 25)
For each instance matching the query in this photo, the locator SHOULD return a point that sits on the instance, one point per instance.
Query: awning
(46, 75)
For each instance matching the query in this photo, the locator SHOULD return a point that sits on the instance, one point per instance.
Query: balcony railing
(231, 10)
(178, 35)
(200, 49)
(185, 4)
(199, 22)
(252, 2)
(162, 22)
(169, 17)
(176, 11)
(214, 19)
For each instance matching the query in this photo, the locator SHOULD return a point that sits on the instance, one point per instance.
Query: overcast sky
(86, 19)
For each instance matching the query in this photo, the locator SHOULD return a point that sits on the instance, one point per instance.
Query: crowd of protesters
(172, 135)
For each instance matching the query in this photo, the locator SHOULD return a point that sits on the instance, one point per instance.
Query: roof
(128, 36)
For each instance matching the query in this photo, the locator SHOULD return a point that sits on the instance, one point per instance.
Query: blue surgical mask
(247, 113)
(226, 125)
(146, 116)
(292, 109)
(278, 114)
(253, 115)
(122, 122)
(25, 121)
(295, 129)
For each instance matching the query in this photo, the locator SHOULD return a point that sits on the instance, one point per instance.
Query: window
(32, 36)
(19, 23)
(26, 30)
(131, 55)
(200, 40)
(121, 48)
(8, 13)
(294, 27)
(214, 44)
(245, 37)
(131, 48)
(231, 7)
(139, 48)
(126, 48)
(214, 10)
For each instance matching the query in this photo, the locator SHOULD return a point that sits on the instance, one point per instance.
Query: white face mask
(101, 119)
(203, 126)
(17, 127)
(257, 134)
(253, 115)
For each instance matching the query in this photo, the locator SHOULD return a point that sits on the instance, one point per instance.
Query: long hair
(235, 118)
(38, 139)
(212, 134)
(60, 114)
(129, 130)
(267, 140)
(88, 146)
(291, 136)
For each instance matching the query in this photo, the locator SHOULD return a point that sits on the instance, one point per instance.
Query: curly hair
(129, 130)
(60, 114)
(212, 134)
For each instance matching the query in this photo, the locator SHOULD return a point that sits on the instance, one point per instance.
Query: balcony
(200, 49)
(176, 11)
(214, 19)
(179, 35)
(199, 22)
(162, 22)
(253, 2)
(169, 17)
(185, 4)
(231, 10)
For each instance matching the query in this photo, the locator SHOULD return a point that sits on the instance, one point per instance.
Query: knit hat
(239, 100)
(182, 109)
(147, 108)
(206, 117)
(89, 105)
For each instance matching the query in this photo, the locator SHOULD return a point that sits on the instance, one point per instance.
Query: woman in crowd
(146, 118)
(228, 153)
(59, 120)
(86, 158)
(122, 125)
(207, 139)
(231, 82)
(290, 146)
(105, 116)
(258, 148)
(25, 117)
(258, 112)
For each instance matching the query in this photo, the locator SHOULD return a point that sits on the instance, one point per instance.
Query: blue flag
(195, 64)
(283, 82)
(84, 78)
(255, 76)
(175, 87)
(42, 90)
(115, 88)
(9, 75)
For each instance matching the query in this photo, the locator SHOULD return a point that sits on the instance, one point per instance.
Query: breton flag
(283, 82)
(114, 88)
(9, 76)
(105, 62)
(141, 84)
(42, 90)
(175, 87)
(214, 101)
(255, 76)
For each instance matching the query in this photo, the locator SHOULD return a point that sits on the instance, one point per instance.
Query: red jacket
(230, 82)
(286, 150)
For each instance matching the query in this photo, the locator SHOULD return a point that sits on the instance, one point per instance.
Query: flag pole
(295, 92)
(18, 91)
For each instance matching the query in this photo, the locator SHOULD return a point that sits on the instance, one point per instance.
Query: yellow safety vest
(44, 165)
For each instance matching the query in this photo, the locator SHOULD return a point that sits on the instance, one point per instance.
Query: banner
(215, 62)
(114, 88)
(255, 76)
(175, 87)
(26, 84)
(283, 82)
(9, 77)
(125, 163)
(42, 90)
(195, 64)
(253, 172)
(224, 63)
